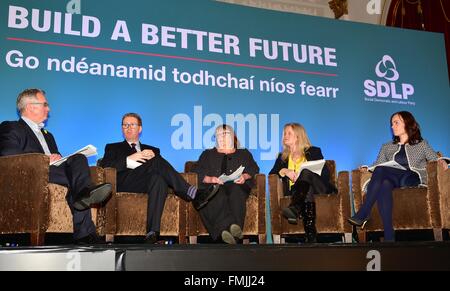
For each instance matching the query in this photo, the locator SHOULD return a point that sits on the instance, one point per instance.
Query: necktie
(133, 148)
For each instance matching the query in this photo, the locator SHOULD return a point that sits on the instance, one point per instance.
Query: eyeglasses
(130, 125)
(45, 104)
(223, 133)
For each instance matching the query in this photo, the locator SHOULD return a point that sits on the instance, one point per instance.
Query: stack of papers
(392, 164)
(313, 166)
(236, 175)
(87, 151)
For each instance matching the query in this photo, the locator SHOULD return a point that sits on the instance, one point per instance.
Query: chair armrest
(434, 196)
(343, 184)
(260, 182)
(110, 209)
(24, 195)
(97, 175)
(190, 177)
(192, 216)
(358, 180)
(275, 191)
(188, 220)
(444, 193)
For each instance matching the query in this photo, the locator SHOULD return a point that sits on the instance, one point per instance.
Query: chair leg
(37, 239)
(348, 238)
(262, 238)
(109, 238)
(437, 232)
(181, 239)
(276, 239)
(362, 236)
(193, 239)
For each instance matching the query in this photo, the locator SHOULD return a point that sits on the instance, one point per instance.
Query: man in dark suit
(141, 168)
(28, 136)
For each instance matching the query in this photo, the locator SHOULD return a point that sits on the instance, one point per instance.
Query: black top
(401, 158)
(212, 163)
(311, 154)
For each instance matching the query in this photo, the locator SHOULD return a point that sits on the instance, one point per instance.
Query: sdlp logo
(386, 69)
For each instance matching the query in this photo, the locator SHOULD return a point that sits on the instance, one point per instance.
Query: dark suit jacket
(116, 157)
(16, 138)
(311, 154)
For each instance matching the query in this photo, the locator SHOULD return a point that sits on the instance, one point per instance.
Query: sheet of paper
(392, 164)
(227, 178)
(313, 166)
(87, 151)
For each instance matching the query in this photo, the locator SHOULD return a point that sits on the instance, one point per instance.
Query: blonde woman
(297, 149)
(224, 215)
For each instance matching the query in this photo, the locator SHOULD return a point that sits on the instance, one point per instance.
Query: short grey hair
(26, 96)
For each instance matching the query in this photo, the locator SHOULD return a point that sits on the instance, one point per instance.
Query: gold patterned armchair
(332, 209)
(255, 219)
(30, 204)
(414, 208)
(126, 213)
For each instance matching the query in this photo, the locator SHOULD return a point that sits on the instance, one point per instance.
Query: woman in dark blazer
(297, 149)
(224, 215)
(412, 152)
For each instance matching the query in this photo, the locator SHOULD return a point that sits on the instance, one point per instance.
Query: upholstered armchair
(30, 204)
(414, 208)
(255, 219)
(332, 210)
(126, 213)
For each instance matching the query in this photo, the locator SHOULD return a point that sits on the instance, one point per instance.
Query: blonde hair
(303, 142)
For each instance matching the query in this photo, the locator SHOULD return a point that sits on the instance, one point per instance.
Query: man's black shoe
(204, 196)
(153, 238)
(90, 239)
(93, 196)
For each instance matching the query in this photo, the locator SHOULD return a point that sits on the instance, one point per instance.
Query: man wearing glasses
(141, 168)
(28, 136)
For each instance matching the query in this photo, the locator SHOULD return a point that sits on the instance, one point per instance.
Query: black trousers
(154, 178)
(311, 183)
(75, 174)
(226, 208)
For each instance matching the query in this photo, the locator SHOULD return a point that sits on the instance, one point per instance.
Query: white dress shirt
(130, 163)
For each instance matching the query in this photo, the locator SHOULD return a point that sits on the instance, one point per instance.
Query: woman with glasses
(224, 215)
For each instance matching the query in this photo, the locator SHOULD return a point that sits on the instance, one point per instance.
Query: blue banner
(188, 66)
